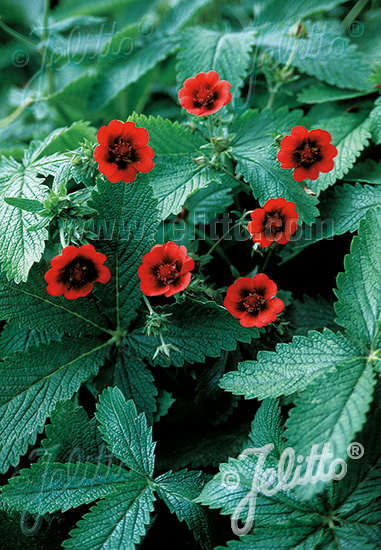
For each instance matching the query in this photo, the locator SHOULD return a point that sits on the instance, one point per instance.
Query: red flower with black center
(75, 270)
(165, 270)
(204, 94)
(276, 221)
(308, 152)
(123, 151)
(251, 301)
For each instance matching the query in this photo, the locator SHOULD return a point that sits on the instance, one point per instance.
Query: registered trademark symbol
(355, 450)
(356, 29)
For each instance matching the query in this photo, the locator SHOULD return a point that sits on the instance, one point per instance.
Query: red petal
(73, 294)
(240, 289)
(249, 320)
(107, 134)
(320, 137)
(235, 308)
(299, 132)
(258, 217)
(56, 289)
(302, 173)
(104, 274)
(178, 285)
(264, 285)
(212, 78)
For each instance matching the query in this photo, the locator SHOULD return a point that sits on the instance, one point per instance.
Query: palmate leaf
(197, 330)
(72, 436)
(117, 521)
(325, 53)
(125, 226)
(126, 433)
(350, 134)
(227, 52)
(178, 490)
(359, 288)
(341, 210)
(31, 307)
(33, 382)
(175, 175)
(256, 159)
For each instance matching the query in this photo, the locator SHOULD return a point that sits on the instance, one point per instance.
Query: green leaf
(341, 210)
(50, 487)
(367, 172)
(178, 490)
(197, 330)
(125, 225)
(350, 135)
(206, 204)
(256, 159)
(29, 205)
(230, 489)
(164, 403)
(375, 122)
(117, 521)
(294, 537)
(122, 73)
(311, 314)
(228, 53)
(136, 382)
(267, 427)
(292, 367)
(175, 175)
(323, 416)
(72, 435)
(325, 53)
(12, 450)
(33, 382)
(31, 307)
(126, 432)
(13, 338)
(19, 247)
(359, 288)
(321, 93)
(65, 139)
(272, 11)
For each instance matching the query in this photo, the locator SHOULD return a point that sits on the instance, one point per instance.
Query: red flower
(204, 94)
(308, 152)
(276, 221)
(123, 151)
(75, 270)
(252, 302)
(165, 270)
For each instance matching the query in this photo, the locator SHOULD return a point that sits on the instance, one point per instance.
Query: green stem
(243, 184)
(273, 90)
(16, 113)
(354, 12)
(17, 35)
(45, 47)
(269, 254)
(150, 308)
(211, 243)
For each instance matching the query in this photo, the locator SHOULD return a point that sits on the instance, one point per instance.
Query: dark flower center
(167, 273)
(204, 97)
(122, 153)
(79, 272)
(308, 153)
(253, 302)
(274, 224)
